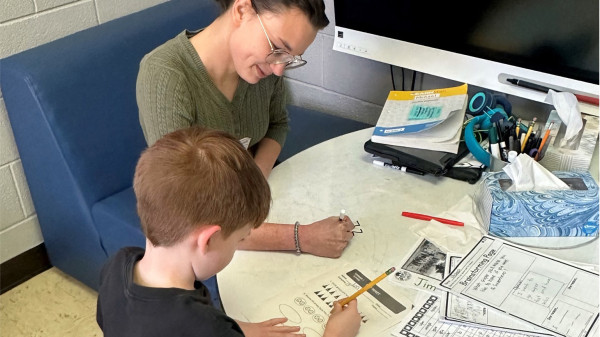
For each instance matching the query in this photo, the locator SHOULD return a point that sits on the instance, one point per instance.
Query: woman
(221, 77)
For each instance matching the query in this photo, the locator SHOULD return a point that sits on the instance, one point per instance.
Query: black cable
(412, 84)
(393, 82)
(402, 78)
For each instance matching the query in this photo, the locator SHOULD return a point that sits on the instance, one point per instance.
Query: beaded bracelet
(296, 239)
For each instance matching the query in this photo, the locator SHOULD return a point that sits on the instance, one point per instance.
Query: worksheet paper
(541, 290)
(424, 321)
(309, 307)
(422, 268)
(462, 310)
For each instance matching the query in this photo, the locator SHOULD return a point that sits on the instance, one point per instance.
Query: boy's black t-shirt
(127, 309)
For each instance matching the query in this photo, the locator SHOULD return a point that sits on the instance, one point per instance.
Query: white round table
(319, 182)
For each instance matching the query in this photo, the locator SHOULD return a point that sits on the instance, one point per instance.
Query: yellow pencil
(367, 287)
(529, 130)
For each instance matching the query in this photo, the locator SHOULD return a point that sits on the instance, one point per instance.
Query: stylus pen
(429, 218)
(537, 87)
(511, 143)
(399, 168)
(367, 287)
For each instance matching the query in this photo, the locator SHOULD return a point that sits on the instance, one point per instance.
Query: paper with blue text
(427, 119)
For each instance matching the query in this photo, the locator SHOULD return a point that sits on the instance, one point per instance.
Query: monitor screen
(548, 42)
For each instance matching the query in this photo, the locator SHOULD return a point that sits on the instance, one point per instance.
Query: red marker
(429, 218)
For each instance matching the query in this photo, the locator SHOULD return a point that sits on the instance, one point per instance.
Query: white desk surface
(339, 174)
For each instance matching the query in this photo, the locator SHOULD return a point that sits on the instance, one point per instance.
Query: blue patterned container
(553, 213)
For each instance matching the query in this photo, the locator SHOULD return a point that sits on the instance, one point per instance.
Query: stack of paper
(542, 291)
(498, 289)
(429, 119)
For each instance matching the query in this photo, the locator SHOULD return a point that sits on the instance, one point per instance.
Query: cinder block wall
(332, 82)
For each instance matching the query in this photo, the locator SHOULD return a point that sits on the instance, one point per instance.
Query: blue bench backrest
(75, 97)
(72, 107)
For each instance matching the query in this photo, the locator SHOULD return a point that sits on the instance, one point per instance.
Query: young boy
(199, 194)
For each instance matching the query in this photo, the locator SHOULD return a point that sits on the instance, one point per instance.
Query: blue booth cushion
(322, 127)
(116, 218)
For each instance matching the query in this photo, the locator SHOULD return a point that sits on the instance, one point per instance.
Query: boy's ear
(206, 235)
(240, 10)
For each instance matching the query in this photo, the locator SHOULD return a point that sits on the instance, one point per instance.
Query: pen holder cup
(553, 213)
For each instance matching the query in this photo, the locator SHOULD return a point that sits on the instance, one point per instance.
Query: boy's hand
(270, 328)
(328, 237)
(343, 322)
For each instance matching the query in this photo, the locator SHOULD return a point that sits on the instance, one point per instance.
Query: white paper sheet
(422, 268)
(541, 290)
(460, 310)
(381, 307)
(424, 321)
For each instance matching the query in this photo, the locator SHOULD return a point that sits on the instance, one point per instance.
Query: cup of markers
(507, 140)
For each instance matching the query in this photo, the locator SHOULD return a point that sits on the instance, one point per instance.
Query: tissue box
(551, 213)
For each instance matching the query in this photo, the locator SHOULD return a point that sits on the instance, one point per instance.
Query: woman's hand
(328, 237)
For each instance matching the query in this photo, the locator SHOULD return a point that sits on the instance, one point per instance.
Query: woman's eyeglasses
(280, 56)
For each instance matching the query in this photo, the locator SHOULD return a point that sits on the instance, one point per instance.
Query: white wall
(25, 24)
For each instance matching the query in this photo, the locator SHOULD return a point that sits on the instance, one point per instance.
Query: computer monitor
(553, 43)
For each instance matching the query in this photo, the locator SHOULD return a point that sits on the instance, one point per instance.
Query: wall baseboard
(23, 267)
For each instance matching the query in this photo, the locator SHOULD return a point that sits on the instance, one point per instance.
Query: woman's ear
(207, 236)
(241, 10)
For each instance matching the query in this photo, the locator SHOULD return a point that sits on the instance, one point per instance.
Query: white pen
(342, 214)
(399, 168)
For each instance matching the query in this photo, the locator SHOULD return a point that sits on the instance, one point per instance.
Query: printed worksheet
(381, 307)
(422, 268)
(462, 310)
(424, 321)
(541, 290)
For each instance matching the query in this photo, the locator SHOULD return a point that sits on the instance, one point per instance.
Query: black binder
(432, 162)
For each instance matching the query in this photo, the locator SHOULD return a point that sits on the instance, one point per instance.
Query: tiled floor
(51, 304)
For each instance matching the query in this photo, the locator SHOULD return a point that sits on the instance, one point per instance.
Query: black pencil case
(432, 162)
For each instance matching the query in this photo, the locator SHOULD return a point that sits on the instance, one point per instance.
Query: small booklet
(427, 119)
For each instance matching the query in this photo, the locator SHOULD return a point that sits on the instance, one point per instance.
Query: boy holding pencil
(199, 194)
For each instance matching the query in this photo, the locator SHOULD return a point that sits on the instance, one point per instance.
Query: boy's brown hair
(197, 176)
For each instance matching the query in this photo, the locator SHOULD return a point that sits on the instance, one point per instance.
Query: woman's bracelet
(296, 239)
